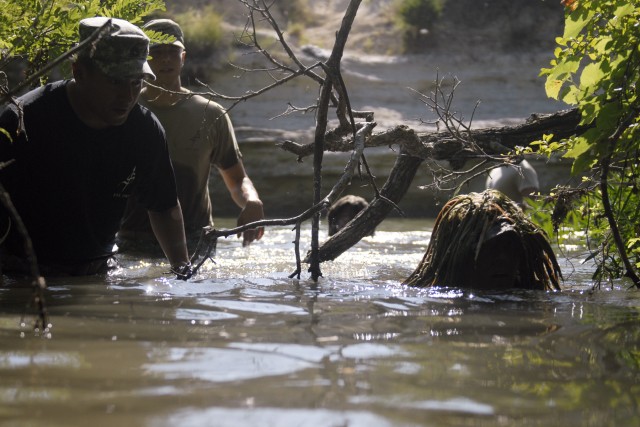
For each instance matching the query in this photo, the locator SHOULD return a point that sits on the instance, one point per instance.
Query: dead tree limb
(437, 146)
(442, 146)
(37, 281)
(318, 152)
(332, 69)
(399, 181)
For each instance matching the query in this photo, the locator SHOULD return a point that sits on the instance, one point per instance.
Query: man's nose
(128, 89)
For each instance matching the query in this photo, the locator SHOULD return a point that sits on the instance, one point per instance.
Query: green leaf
(552, 86)
(580, 145)
(575, 23)
(7, 134)
(571, 95)
(589, 111)
(591, 76)
(602, 45)
(622, 11)
(608, 118)
(558, 75)
(583, 162)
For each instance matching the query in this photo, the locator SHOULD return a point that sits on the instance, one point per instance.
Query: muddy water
(244, 345)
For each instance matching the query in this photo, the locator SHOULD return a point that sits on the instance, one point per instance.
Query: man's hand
(183, 272)
(252, 212)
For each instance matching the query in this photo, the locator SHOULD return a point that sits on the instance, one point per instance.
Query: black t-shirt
(70, 183)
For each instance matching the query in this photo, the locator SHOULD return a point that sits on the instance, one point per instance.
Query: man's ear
(183, 57)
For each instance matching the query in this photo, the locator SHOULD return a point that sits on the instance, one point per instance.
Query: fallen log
(445, 146)
(416, 148)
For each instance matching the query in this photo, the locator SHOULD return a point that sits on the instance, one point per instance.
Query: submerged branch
(38, 283)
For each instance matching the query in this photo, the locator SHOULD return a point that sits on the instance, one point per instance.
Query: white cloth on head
(514, 181)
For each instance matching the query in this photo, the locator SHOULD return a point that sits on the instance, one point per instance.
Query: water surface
(244, 345)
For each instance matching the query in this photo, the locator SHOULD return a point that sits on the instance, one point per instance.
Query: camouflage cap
(122, 51)
(167, 27)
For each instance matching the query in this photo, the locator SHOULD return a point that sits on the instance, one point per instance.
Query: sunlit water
(242, 344)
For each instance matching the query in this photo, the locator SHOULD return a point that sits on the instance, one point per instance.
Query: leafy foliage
(202, 30)
(417, 16)
(597, 68)
(39, 31)
(420, 13)
(295, 11)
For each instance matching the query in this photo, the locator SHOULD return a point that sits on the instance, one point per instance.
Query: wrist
(183, 271)
(253, 202)
(178, 265)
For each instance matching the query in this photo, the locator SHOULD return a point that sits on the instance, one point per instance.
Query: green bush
(296, 11)
(202, 29)
(419, 14)
(416, 18)
(597, 68)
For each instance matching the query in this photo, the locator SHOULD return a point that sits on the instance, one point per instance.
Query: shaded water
(244, 345)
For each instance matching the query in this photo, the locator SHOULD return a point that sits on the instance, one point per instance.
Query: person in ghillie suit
(484, 241)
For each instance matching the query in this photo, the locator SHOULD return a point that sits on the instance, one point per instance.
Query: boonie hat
(167, 27)
(122, 51)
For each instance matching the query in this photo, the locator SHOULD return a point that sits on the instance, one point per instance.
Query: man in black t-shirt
(77, 149)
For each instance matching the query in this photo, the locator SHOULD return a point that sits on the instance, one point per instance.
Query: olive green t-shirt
(199, 135)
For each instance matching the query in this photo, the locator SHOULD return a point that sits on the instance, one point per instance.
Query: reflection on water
(243, 345)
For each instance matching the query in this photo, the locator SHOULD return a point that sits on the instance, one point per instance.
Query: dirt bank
(465, 27)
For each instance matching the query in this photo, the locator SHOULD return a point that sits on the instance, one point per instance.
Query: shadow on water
(243, 345)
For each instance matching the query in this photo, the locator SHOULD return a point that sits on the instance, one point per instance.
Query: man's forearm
(168, 227)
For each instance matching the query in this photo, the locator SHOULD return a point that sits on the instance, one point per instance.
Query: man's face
(498, 263)
(108, 100)
(166, 62)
